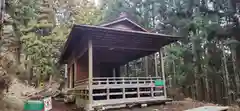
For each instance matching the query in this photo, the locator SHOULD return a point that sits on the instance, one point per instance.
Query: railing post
(108, 96)
(138, 90)
(123, 89)
(90, 75)
(152, 87)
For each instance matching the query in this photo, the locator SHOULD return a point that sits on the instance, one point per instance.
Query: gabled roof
(127, 21)
(124, 19)
(120, 31)
(144, 39)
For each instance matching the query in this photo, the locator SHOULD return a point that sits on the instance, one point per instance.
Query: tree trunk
(163, 71)
(207, 92)
(18, 36)
(196, 69)
(174, 74)
(2, 13)
(127, 68)
(135, 69)
(235, 70)
(50, 79)
(125, 71)
(226, 76)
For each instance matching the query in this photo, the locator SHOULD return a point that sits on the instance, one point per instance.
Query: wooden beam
(90, 73)
(81, 48)
(130, 32)
(70, 77)
(82, 53)
(75, 70)
(125, 48)
(127, 41)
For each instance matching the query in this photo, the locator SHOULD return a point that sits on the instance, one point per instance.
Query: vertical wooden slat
(90, 71)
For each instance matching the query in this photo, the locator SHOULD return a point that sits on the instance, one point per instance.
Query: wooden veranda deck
(111, 91)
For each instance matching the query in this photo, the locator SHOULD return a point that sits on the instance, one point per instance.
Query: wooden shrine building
(94, 54)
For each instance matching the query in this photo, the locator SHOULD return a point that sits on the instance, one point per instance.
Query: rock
(130, 105)
(100, 108)
(69, 98)
(143, 105)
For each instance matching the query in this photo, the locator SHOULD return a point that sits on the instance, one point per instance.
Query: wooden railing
(108, 88)
(124, 80)
(112, 90)
(81, 82)
(117, 80)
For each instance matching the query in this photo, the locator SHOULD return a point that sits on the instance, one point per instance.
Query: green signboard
(159, 83)
(33, 105)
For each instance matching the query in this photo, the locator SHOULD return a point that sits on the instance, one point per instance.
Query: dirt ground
(15, 100)
(172, 106)
(60, 106)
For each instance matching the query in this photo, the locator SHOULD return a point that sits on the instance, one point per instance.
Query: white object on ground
(209, 108)
(47, 103)
(143, 105)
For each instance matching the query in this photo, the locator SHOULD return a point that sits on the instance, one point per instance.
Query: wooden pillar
(90, 73)
(66, 71)
(70, 76)
(163, 72)
(146, 66)
(75, 71)
(138, 89)
(66, 76)
(114, 72)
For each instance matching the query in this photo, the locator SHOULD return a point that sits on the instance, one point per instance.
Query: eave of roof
(125, 31)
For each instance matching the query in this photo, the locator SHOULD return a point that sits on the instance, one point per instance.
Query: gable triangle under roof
(123, 22)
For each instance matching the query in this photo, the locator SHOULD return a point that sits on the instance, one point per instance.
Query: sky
(96, 1)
